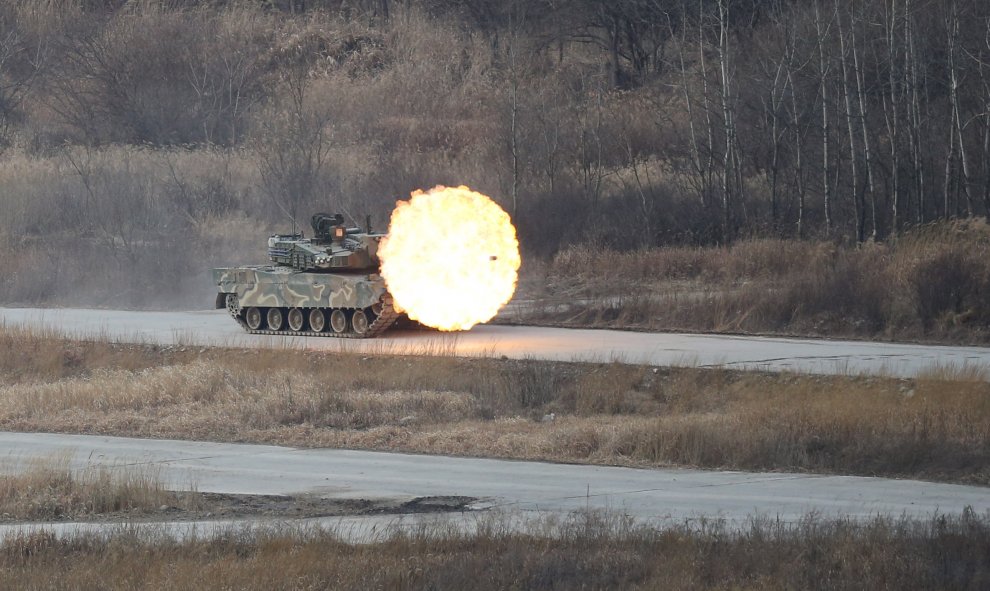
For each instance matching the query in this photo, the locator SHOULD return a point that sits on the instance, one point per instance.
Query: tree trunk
(986, 130)
(860, 214)
(986, 161)
(685, 88)
(798, 156)
(954, 99)
(776, 98)
(867, 153)
(986, 151)
(728, 128)
(947, 183)
(615, 66)
(892, 119)
(709, 125)
(915, 121)
(823, 71)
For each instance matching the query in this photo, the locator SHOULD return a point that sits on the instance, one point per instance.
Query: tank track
(385, 318)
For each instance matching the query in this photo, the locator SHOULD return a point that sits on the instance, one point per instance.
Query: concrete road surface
(215, 327)
(647, 495)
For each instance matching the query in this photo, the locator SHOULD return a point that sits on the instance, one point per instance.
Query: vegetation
(934, 427)
(50, 489)
(933, 283)
(588, 551)
(144, 141)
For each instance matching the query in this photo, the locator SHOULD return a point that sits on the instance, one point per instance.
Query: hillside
(144, 142)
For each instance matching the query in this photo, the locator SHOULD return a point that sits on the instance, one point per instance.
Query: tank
(327, 285)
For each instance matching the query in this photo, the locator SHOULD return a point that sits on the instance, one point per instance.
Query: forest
(145, 141)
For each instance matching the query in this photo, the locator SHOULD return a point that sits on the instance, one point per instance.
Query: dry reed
(50, 488)
(587, 551)
(933, 427)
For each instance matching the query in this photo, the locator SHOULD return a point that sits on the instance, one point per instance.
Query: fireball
(451, 257)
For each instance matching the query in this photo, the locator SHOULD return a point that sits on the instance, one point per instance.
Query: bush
(947, 288)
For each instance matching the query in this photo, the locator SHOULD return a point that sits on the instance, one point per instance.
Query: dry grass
(31, 355)
(933, 284)
(587, 551)
(934, 427)
(50, 489)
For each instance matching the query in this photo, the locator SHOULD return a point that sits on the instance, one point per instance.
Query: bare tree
(956, 124)
(863, 118)
(799, 131)
(633, 33)
(891, 112)
(21, 62)
(708, 101)
(590, 157)
(859, 212)
(227, 77)
(985, 116)
(293, 142)
(514, 75)
(824, 67)
(775, 70)
(730, 154)
(703, 185)
(549, 117)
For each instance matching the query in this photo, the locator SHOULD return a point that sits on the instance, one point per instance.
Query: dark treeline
(727, 118)
(143, 126)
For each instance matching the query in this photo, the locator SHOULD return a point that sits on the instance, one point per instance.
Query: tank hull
(334, 304)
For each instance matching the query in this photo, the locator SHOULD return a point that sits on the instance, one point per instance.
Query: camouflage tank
(327, 285)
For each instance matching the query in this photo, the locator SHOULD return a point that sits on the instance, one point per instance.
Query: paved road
(214, 327)
(647, 495)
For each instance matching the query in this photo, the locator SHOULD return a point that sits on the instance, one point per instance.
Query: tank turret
(334, 246)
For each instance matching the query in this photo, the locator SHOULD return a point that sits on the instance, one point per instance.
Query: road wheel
(275, 318)
(338, 321)
(360, 322)
(317, 321)
(296, 319)
(253, 317)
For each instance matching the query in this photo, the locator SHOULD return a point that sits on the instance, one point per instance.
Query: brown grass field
(583, 551)
(932, 285)
(49, 489)
(935, 427)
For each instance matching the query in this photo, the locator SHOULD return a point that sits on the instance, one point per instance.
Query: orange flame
(451, 257)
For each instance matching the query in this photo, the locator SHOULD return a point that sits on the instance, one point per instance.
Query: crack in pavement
(813, 358)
